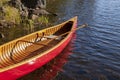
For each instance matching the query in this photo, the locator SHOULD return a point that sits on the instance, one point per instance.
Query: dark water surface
(94, 52)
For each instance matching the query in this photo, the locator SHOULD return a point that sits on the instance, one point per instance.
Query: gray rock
(41, 4)
(40, 12)
(34, 16)
(27, 11)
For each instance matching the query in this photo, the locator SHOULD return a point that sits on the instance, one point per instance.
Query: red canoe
(23, 55)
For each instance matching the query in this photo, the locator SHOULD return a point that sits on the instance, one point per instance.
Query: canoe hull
(30, 66)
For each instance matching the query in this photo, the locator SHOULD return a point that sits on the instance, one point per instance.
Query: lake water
(94, 52)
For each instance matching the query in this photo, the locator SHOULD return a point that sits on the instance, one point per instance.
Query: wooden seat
(54, 37)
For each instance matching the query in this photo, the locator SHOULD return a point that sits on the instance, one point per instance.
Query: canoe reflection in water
(50, 70)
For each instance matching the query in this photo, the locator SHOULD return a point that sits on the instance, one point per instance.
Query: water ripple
(95, 50)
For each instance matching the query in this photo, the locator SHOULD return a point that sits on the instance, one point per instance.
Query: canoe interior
(33, 44)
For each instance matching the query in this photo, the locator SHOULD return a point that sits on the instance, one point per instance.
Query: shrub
(3, 1)
(43, 20)
(12, 15)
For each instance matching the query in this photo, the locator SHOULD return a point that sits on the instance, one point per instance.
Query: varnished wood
(30, 45)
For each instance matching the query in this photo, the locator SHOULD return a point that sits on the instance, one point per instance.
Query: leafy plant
(43, 20)
(3, 1)
(12, 15)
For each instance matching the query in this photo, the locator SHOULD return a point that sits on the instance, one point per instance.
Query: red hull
(24, 69)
